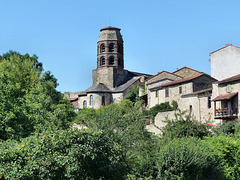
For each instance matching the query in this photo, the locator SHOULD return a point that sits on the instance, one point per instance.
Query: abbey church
(110, 80)
(207, 97)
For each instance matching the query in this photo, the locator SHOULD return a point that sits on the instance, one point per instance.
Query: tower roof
(110, 28)
(110, 33)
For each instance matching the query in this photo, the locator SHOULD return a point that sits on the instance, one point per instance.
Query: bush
(186, 158)
(184, 127)
(62, 155)
(227, 151)
(163, 107)
(227, 128)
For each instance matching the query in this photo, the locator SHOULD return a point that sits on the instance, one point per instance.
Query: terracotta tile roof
(182, 80)
(73, 99)
(225, 96)
(227, 45)
(230, 79)
(161, 73)
(187, 68)
(198, 92)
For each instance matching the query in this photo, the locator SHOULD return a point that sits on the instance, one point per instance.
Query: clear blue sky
(158, 35)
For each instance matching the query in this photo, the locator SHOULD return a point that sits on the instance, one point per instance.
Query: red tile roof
(181, 80)
(73, 99)
(187, 68)
(162, 72)
(225, 96)
(230, 79)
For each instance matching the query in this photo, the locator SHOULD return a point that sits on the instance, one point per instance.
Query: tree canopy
(29, 100)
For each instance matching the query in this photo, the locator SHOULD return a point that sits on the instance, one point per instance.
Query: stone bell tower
(110, 64)
(110, 48)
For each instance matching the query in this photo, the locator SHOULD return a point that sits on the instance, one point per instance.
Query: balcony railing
(225, 112)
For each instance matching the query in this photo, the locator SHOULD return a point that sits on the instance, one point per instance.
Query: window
(102, 60)
(209, 103)
(156, 93)
(102, 48)
(119, 48)
(85, 104)
(114, 101)
(190, 108)
(111, 47)
(111, 60)
(166, 92)
(180, 90)
(119, 62)
(91, 100)
(103, 100)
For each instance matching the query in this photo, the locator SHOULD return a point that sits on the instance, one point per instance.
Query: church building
(111, 81)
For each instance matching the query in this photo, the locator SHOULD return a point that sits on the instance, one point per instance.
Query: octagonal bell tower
(110, 48)
(110, 64)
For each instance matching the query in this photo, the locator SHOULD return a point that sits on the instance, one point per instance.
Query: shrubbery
(63, 155)
(186, 158)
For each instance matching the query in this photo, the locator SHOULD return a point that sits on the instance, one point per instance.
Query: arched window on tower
(102, 60)
(119, 48)
(111, 60)
(119, 62)
(111, 47)
(103, 100)
(91, 100)
(85, 104)
(102, 48)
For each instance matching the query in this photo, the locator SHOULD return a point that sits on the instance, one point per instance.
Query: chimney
(226, 45)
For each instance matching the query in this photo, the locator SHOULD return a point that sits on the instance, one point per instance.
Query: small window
(209, 103)
(119, 62)
(114, 101)
(85, 104)
(111, 47)
(180, 90)
(91, 100)
(103, 100)
(166, 92)
(102, 60)
(156, 93)
(111, 60)
(102, 48)
(190, 108)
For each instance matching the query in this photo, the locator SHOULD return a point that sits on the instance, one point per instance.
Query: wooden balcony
(225, 113)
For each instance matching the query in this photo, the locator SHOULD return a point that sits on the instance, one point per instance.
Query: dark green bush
(184, 127)
(227, 151)
(227, 128)
(163, 107)
(62, 155)
(186, 158)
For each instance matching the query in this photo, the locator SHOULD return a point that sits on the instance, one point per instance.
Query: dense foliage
(186, 158)
(66, 154)
(37, 140)
(184, 126)
(29, 100)
(121, 123)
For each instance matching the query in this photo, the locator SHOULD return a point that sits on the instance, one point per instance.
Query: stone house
(191, 93)
(225, 98)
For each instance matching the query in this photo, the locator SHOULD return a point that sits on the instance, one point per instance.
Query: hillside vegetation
(37, 140)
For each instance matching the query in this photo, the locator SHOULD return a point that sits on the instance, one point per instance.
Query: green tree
(28, 98)
(67, 154)
(121, 123)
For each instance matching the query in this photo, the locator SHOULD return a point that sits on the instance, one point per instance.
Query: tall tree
(28, 98)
